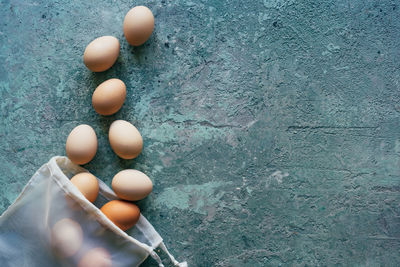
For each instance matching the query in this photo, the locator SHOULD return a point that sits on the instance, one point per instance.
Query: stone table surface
(271, 127)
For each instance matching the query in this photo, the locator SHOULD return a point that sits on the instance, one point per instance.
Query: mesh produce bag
(52, 224)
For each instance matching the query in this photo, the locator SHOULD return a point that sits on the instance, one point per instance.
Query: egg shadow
(145, 204)
(114, 72)
(106, 121)
(127, 163)
(141, 53)
(98, 77)
(138, 52)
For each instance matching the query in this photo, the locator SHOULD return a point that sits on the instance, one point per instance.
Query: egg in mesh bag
(52, 224)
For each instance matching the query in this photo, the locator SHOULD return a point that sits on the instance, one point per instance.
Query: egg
(125, 139)
(122, 213)
(66, 238)
(88, 185)
(138, 25)
(81, 145)
(132, 185)
(109, 97)
(97, 257)
(101, 53)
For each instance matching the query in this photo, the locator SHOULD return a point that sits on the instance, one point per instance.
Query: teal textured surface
(271, 128)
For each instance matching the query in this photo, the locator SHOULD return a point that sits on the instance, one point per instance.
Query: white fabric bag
(27, 227)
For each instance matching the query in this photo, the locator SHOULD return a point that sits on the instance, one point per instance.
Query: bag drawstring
(157, 258)
(154, 255)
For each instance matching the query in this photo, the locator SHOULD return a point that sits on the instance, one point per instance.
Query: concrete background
(271, 128)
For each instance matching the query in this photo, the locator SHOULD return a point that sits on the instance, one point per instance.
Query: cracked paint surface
(271, 127)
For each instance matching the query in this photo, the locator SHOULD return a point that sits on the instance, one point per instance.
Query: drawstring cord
(174, 261)
(157, 258)
(154, 255)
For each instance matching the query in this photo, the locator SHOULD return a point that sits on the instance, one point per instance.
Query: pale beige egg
(138, 25)
(97, 257)
(101, 53)
(125, 139)
(66, 238)
(81, 145)
(132, 185)
(109, 97)
(88, 185)
(122, 213)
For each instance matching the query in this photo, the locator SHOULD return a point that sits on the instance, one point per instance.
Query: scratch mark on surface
(303, 127)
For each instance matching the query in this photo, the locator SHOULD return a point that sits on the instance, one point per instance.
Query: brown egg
(109, 97)
(88, 185)
(66, 238)
(101, 53)
(81, 145)
(97, 257)
(125, 139)
(132, 185)
(138, 25)
(122, 213)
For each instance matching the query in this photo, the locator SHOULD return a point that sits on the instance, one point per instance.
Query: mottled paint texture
(271, 127)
